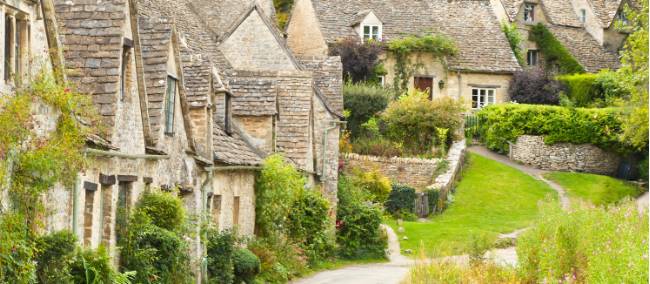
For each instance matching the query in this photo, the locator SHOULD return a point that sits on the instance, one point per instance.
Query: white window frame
(170, 104)
(374, 32)
(583, 16)
(532, 57)
(482, 97)
(529, 12)
(382, 81)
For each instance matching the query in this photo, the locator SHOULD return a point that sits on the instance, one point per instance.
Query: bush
(16, 251)
(54, 255)
(556, 56)
(401, 200)
(533, 86)
(220, 248)
(280, 259)
(360, 59)
(363, 101)
(164, 209)
(246, 266)
(308, 224)
(594, 90)
(358, 224)
(94, 266)
(504, 123)
(380, 146)
(587, 245)
(373, 182)
(433, 196)
(413, 120)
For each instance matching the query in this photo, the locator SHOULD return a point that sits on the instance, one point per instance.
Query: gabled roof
(91, 36)
(512, 8)
(585, 48)
(561, 12)
(199, 81)
(472, 24)
(360, 16)
(606, 10)
(232, 149)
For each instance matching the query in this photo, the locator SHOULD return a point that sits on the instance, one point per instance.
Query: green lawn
(491, 198)
(597, 189)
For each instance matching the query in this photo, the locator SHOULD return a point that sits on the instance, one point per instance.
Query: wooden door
(424, 84)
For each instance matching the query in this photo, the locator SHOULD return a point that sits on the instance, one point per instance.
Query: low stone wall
(532, 150)
(414, 172)
(455, 157)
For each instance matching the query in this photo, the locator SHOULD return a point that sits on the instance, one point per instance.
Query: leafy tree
(363, 101)
(534, 87)
(360, 59)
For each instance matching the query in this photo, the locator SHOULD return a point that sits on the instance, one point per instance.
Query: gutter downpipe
(326, 131)
(204, 210)
(96, 152)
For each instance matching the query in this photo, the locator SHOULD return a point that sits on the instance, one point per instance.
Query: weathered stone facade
(414, 172)
(532, 150)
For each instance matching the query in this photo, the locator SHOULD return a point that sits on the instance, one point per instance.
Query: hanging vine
(439, 46)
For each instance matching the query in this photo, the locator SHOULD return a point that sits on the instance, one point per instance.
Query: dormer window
(16, 46)
(620, 16)
(169, 105)
(529, 12)
(371, 32)
(583, 15)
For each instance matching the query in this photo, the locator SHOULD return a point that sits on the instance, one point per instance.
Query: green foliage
(596, 189)
(433, 196)
(504, 123)
(358, 224)
(514, 39)
(54, 255)
(220, 248)
(17, 251)
(164, 209)
(157, 254)
(440, 46)
(444, 271)
(401, 200)
(280, 259)
(378, 146)
(413, 119)
(246, 266)
(586, 245)
(556, 56)
(363, 101)
(374, 183)
(94, 267)
(282, 12)
(593, 90)
(308, 224)
(633, 74)
(277, 185)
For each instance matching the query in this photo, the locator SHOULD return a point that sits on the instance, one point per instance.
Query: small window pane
(169, 105)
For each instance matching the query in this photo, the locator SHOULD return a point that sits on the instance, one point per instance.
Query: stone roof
(232, 149)
(585, 48)
(197, 73)
(360, 16)
(253, 96)
(91, 35)
(512, 8)
(224, 14)
(561, 12)
(471, 23)
(155, 40)
(606, 10)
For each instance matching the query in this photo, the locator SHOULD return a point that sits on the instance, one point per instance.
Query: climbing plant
(514, 39)
(556, 56)
(439, 46)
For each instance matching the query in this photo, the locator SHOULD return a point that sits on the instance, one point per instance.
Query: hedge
(401, 199)
(500, 124)
(555, 54)
(594, 90)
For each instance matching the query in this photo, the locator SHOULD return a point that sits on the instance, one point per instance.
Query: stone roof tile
(585, 48)
(561, 12)
(232, 149)
(606, 10)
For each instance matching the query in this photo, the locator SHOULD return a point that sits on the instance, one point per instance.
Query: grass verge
(597, 189)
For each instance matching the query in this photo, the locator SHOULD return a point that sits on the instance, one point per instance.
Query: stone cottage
(479, 74)
(573, 23)
(277, 101)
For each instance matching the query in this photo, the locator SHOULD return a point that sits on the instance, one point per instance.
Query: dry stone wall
(532, 150)
(409, 171)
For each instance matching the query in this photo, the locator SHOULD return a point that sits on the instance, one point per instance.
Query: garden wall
(446, 180)
(414, 172)
(532, 150)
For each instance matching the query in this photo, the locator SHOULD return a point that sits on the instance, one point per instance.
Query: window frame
(170, 104)
(374, 32)
(535, 54)
(484, 97)
(529, 12)
(583, 16)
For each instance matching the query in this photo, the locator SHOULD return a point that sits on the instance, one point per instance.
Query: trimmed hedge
(555, 54)
(401, 199)
(593, 90)
(363, 101)
(500, 124)
(246, 266)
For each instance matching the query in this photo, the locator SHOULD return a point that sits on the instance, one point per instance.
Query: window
(235, 211)
(122, 212)
(482, 97)
(216, 210)
(228, 114)
(382, 81)
(169, 105)
(620, 16)
(583, 15)
(88, 217)
(529, 12)
(123, 75)
(531, 57)
(9, 39)
(371, 32)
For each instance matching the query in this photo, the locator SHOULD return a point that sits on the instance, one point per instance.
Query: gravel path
(534, 172)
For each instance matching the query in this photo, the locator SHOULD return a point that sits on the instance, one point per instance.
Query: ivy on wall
(557, 57)
(514, 39)
(439, 46)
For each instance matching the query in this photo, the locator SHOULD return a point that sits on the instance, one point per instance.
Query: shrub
(358, 224)
(94, 266)
(593, 90)
(442, 271)
(587, 245)
(373, 182)
(533, 86)
(280, 259)
(308, 224)
(363, 101)
(220, 248)
(164, 209)
(401, 199)
(413, 120)
(433, 196)
(504, 123)
(360, 59)
(246, 266)
(54, 255)
(377, 147)
(514, 39)
(16, 251)
(556, 56)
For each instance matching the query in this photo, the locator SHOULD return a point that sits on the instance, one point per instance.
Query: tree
(360, 59)
(534, 87)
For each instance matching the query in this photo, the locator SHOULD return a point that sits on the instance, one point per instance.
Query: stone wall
(410, 171)
(455, 159)
(532, 150)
